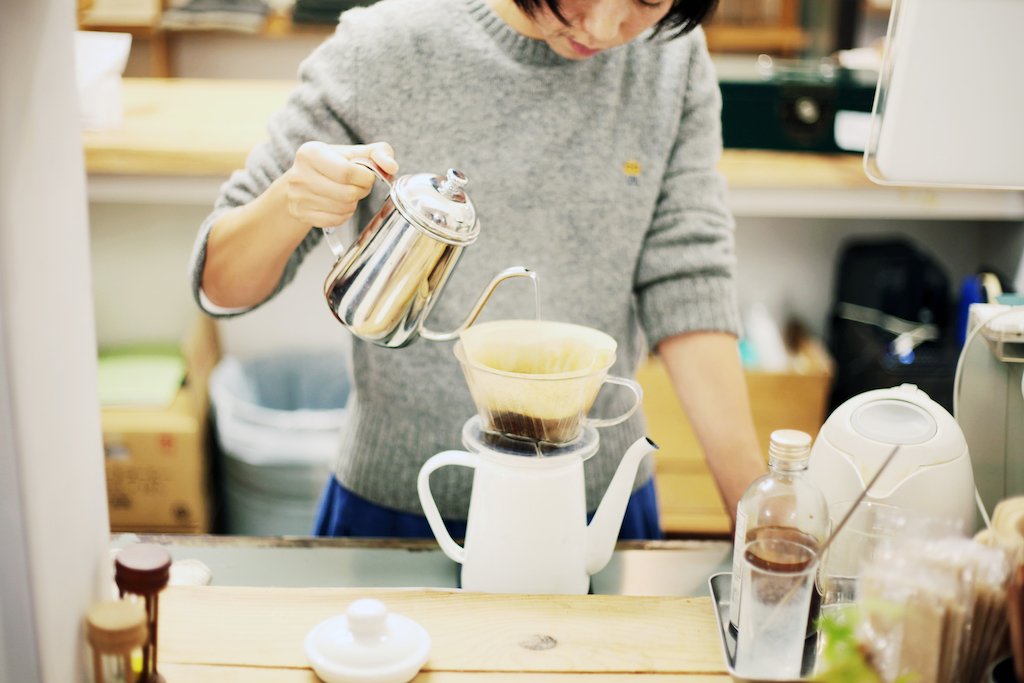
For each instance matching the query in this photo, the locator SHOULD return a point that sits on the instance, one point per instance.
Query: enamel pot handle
(331, 233)
(448, 545)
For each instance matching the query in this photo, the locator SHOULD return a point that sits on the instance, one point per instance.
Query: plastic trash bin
(278, 421)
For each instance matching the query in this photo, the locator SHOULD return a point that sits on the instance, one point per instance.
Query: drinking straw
(860, 498)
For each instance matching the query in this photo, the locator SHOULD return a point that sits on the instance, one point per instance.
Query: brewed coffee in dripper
(537, 380)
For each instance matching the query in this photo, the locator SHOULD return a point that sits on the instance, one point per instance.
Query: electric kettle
(383, 286)
(930, 474)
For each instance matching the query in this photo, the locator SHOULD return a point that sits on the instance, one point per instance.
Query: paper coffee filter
(535, 379)
(537, 347)
(548, 357)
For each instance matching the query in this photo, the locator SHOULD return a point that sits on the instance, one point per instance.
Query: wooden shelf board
(734, 38)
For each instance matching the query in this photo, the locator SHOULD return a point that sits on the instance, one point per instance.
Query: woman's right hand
(249, 245)
(323, 187)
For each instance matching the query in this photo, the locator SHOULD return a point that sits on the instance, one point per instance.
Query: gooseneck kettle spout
(515, 271)
(603, 529)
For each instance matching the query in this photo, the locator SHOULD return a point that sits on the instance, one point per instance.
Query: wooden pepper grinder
(144, 569)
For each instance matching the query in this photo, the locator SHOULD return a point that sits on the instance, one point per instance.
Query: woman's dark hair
(684, 16)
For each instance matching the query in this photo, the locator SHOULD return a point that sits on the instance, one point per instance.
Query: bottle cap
(116, 626)
(790, 445)
(367, 645)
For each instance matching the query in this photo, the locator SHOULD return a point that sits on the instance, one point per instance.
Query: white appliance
(931, 473)
(988, 401)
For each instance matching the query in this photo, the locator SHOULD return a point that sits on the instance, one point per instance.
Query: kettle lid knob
(452, 187)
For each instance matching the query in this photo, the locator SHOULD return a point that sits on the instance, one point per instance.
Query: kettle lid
(439, 206)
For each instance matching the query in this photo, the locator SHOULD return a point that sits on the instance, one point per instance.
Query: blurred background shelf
(785, 28)
(687, 496)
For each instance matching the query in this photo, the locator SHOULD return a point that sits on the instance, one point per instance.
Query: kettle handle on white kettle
(331, 233)
(444, 539)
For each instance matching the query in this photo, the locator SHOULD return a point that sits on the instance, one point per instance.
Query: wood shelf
(784, 40)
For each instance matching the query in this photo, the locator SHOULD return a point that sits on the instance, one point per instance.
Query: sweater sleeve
(317, 109)
(684, 276)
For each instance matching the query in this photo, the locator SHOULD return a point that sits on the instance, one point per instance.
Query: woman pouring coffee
(589, 132)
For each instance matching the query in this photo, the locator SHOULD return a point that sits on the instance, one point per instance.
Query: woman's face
(596, 25)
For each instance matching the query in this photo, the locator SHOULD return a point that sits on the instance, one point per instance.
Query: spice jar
(116, 632)
(143, 570)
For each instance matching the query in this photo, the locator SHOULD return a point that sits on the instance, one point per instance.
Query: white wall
(787, 264)
(48, 350)
(142, 289)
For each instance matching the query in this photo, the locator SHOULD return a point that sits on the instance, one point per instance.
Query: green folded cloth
(140, 379)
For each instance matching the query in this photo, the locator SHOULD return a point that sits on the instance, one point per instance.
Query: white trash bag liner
(279, 420)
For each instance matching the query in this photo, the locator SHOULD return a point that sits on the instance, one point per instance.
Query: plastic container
(279, 420)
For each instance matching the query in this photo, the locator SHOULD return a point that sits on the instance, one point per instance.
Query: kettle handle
(444, 539)
(331, 233)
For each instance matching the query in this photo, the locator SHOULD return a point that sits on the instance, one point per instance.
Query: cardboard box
(687, 495)
(157, 460)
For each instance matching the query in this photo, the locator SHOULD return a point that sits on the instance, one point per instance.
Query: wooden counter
(256, 635)
(206, 127)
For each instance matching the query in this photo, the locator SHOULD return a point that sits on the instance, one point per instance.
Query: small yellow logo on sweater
(632, 170)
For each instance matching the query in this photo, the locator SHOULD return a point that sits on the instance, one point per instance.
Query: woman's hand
(323, 187)
(250, 245)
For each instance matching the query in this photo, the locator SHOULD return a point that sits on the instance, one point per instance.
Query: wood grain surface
(201, 673)
(242, 628)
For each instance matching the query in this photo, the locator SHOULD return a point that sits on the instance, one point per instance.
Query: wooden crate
(688, 498)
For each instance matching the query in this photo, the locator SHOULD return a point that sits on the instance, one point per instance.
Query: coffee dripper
(384, 284)
(527, 529)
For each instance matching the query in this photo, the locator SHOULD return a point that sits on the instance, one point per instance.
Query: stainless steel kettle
(383, 286)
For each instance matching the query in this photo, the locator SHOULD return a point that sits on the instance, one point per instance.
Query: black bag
(891, 321)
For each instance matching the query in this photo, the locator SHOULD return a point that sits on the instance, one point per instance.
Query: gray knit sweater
(597, 174)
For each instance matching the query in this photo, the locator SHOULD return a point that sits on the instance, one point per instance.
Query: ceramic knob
(367, 620)
(367, 644)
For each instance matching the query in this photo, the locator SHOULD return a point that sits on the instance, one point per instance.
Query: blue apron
(343, 513)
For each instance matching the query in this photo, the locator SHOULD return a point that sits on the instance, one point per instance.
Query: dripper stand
(481, 441)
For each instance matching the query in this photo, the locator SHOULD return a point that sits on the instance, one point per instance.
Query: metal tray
(721, 592)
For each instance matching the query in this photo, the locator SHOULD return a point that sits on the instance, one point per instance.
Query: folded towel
(247, 16)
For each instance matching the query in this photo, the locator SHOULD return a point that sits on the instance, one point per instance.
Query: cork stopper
(142, 569)
(116, 626)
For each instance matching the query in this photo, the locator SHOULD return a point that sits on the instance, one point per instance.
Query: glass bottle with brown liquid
(785, 504)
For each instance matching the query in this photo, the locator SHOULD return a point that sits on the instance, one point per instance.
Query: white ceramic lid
(367, 645)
